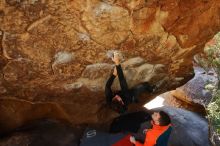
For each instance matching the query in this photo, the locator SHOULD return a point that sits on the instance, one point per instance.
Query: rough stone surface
(194, 91)
(189, 129)
(57, 51)
(136, 70)
(191, 96)
(43, 133)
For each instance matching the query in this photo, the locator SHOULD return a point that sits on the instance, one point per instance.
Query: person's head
(118, 107)
(161, 118)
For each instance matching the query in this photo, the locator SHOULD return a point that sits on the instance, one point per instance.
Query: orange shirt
(152, 135)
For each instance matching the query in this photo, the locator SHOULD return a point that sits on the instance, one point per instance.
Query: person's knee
(148, 87)
(143, 88)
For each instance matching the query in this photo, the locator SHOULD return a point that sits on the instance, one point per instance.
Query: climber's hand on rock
(115, 58)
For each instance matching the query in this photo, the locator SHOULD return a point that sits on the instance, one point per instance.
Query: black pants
(127, 95)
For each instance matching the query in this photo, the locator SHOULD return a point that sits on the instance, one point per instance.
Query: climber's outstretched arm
(108, 91)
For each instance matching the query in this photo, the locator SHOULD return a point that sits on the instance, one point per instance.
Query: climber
(155, 132)
(119, 100)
